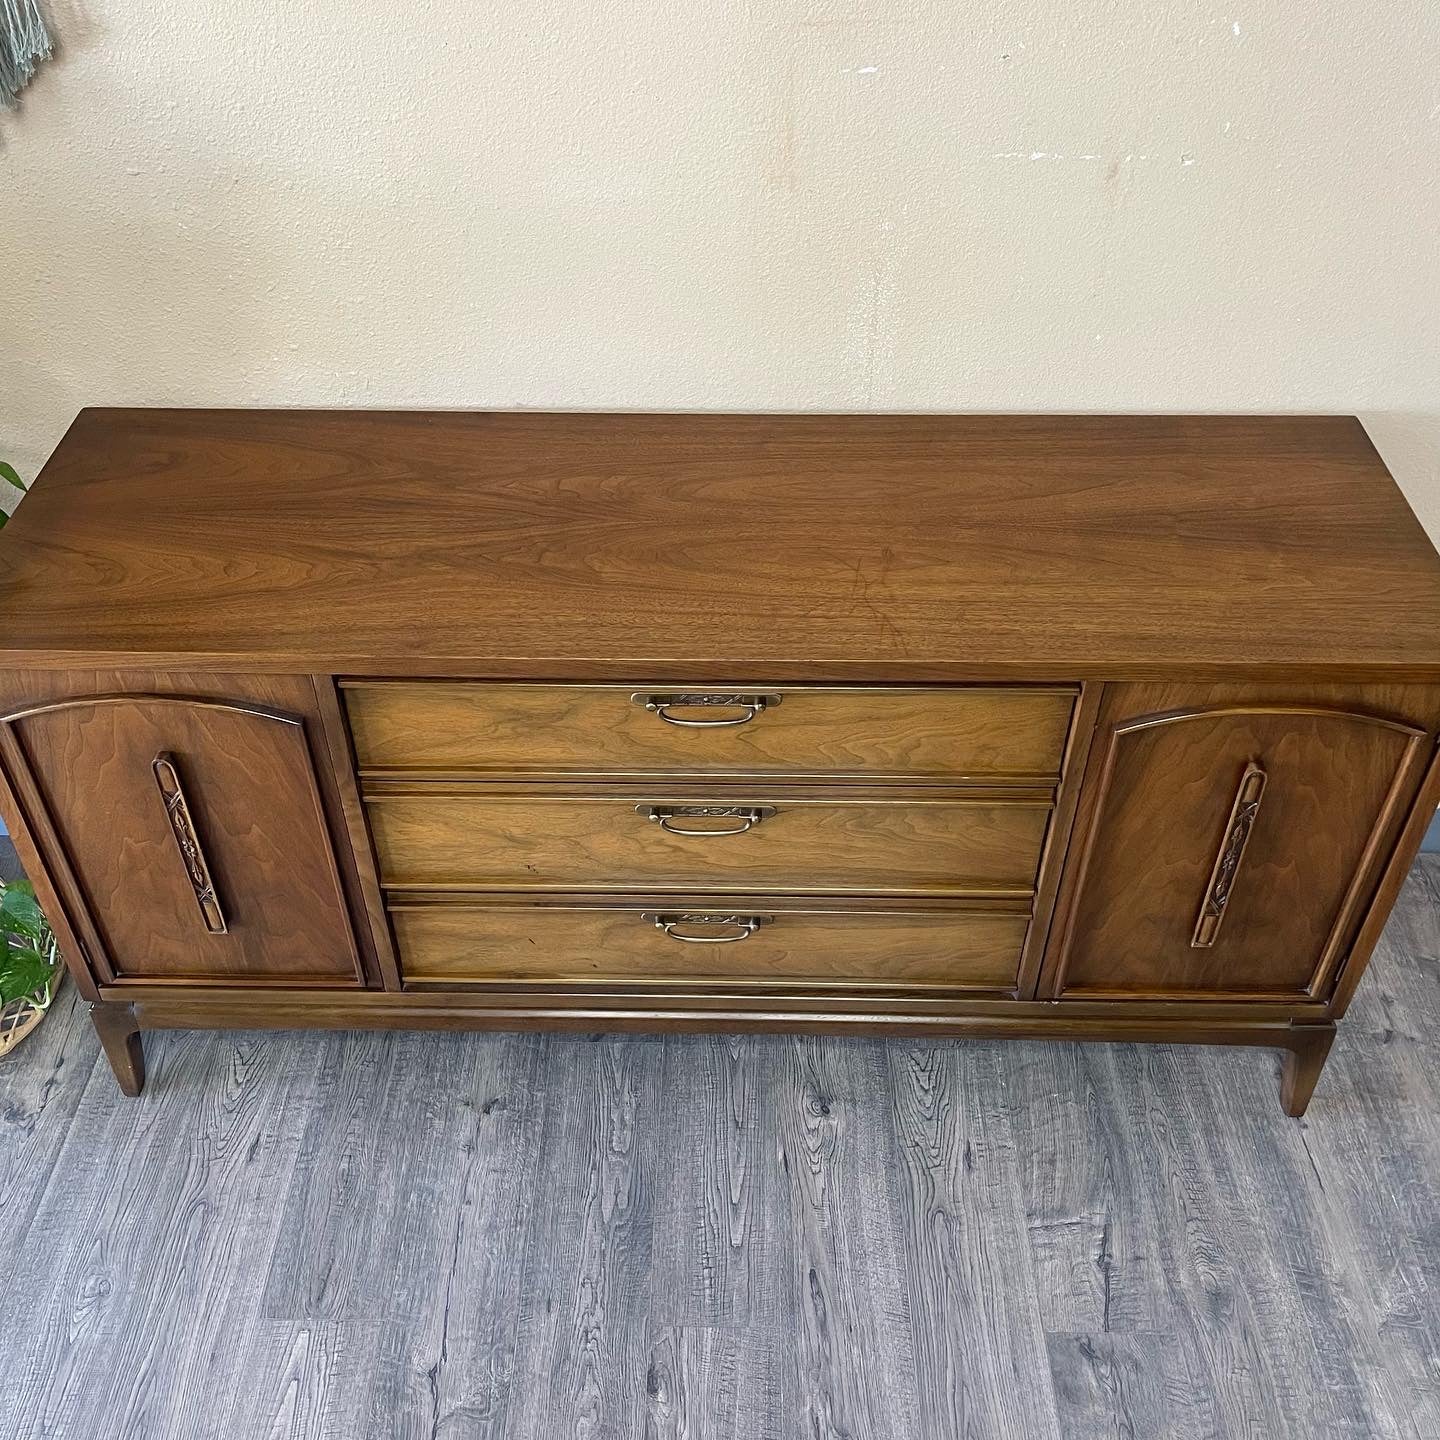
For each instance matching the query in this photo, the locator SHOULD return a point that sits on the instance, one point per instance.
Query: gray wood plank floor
(727, 1238)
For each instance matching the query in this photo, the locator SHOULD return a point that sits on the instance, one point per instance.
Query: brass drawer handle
(662, 705)
(1243, 814)
(742, 927)
(749, 817)
(197, 870)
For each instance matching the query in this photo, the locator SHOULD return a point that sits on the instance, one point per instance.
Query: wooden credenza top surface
(752, 546)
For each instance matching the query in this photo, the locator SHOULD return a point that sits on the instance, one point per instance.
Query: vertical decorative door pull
(197, 870)
(1232, 850)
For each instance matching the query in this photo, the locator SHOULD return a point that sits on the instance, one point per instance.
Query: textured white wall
(904, 204)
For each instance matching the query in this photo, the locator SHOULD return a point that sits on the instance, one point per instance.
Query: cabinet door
(1228, 850)
(193, 831)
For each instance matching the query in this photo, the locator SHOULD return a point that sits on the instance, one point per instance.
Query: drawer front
(500, 729)
(525, 841)
(458, 944)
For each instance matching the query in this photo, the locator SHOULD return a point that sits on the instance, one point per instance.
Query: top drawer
(827, 732)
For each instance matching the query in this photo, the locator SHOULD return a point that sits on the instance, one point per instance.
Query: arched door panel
(1228, 850)
(194, 831)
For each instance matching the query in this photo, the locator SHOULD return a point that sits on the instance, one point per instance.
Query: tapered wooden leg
(1305, 1059)
(120, 1039)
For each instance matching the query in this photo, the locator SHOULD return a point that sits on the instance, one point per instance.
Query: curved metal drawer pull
(744, 926)
(749, 817)
(1227, 862)
(662, 705)
(197, 870)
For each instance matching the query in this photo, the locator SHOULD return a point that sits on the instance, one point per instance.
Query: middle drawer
(428, 839)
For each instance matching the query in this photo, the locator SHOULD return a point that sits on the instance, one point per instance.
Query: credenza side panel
(1232, 839)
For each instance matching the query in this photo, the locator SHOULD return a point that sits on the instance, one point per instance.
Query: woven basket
(20, 1017)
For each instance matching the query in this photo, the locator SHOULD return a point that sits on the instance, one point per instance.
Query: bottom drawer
(458, 943)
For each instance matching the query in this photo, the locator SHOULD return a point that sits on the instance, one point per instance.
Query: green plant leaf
(8, 472)
(4, 519)
(23, 971)
(20, 912)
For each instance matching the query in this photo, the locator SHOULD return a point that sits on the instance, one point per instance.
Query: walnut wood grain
(254, 832)
(1057, 834)
(522, 840)
(357, 857)
(828, 732)
(832, 1005)
(1342, 770)
(1305, 1059)
(120, 1038)
(700, 546)
(86, 949)
(1397, 868)
(922, 636)
(698, 1008)
(83, 744)
(603, 944)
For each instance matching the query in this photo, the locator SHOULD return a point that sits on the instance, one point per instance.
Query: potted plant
(30, 969)
(7, 472)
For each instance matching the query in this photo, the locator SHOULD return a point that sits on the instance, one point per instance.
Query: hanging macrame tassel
(24, 43)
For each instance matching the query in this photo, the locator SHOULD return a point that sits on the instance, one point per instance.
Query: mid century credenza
(1084, 727)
